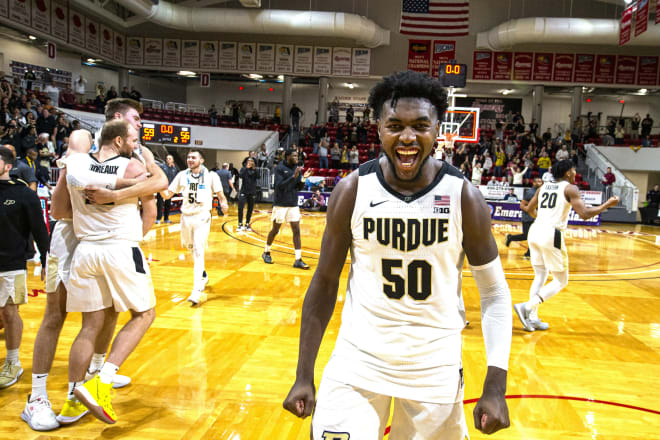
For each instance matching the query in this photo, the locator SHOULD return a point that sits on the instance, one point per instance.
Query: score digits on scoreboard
(452, 74)
(165, 134)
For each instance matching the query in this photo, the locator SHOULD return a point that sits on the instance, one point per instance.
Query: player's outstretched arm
(322, 294)
(491, 412)
(586, 212)
(149, 212)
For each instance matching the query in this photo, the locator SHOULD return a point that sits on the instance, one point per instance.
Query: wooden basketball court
(221, 371)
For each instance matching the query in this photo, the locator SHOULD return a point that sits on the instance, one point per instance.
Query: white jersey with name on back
(91, 222)
(403, 315)
(197, 190)
(553, 208)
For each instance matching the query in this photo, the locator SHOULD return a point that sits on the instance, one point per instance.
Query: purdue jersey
(553, 208)
(403, 315)
(91, 222)
(197, 190)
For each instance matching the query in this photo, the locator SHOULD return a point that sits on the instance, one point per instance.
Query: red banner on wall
(522, 66)
(419, 55)
(626, 69)
(502, 65)
(625, 25)
(443, 52)
(605, 69)
(642, 17)
(584, 68)
(563, 70)
(543, 67)
(657, 11)
(482, 64)
(647, 72)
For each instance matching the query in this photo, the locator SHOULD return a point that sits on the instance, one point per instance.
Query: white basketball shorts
(547, 248)
(63, 243)
(13, 287)
(345, 412)
(106, 275)
(283, 214)
(195, 230)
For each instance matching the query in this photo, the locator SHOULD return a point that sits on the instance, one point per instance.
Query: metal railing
(183, 107)
(597, 165)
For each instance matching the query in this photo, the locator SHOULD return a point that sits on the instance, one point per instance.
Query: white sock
(267, 248)
(39, 386)
(108, 372)
(72, 386)
(97, 362)
(298, 253)
(12, 356)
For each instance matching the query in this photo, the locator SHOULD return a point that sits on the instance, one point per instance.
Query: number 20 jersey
(403, 315)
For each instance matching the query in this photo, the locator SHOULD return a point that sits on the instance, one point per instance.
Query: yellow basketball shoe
(97, 397)
(72, 411)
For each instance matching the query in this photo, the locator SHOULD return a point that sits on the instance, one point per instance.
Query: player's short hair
(289, 152)
(195, 150)
(560, 168)
(120, 105)
(112, 129)
(408, 84)
(6, 155)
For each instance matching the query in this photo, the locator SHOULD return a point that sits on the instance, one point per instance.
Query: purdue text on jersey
(406, 234)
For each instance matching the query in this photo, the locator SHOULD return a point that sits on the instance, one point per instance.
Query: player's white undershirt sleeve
(496, 315)
(175, 186)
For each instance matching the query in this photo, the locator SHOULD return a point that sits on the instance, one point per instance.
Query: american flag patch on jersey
(441, 200)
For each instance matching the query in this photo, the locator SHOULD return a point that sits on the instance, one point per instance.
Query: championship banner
(119, 48)
(228, 59)
(19, 11)
(92, 35)
(419, 55)
(625, 25)
(522, 66)
(76, 28)
(647, 72)
(605, 69)
(304, 59)
(59, 20)
(41, 15)
(208, 55)
(153, 52)
(443, 52)
(246, 56)
(284, 58)
(322, 60)
(134, 52)
(341, 61)
(482, 64)
(190, 54)
(107, 47)
(171, 52)
(626, 69)
(563, 71)
(502, 65)
(584, 68)
(642, 17)
(504, 211)
(4, 8)
(361, 65)
(543, 67)
(265, 57)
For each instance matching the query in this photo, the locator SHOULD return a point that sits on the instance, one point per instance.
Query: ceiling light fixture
(506, 92)
(186, 73)
(350, 85)
(32, 37)
(255, 76)
(643, 91)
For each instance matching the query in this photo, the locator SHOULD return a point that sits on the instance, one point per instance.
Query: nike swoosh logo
(43, 375)
(372, 204)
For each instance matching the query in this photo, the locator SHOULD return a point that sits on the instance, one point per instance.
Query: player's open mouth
(407, 156)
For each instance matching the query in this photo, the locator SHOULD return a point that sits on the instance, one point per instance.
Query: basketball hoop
(449, 140)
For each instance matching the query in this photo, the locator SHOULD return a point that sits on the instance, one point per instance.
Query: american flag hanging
(435, 18)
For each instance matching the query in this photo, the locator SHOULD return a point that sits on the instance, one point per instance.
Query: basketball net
(449, 140)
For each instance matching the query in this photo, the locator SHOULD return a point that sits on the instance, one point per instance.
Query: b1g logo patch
(327, 435)
(441, 204)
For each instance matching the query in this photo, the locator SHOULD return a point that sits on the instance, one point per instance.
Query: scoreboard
(452, 74)
(165, 134)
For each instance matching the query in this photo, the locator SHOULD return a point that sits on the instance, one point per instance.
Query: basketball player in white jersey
(38, 412)
(552, 202)
(408, 220)
(197, 185)
(109, 273)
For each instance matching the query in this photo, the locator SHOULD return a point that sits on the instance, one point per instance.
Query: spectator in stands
(79, 88)
(53, 92)
(499, 160)
(62, 130)
(75, 125)
(334, 111)
(533, 127)
(316, 202)
(322, 152)
(518, 175)
(608, 180)
(607, 140)
(544, 163)
(277, 116)
(619, 135)
(562, 154)
(302, 157)
(361, 130)
(646, 141)
(99, 101)
(488, 163)
(67, 98)
(21, 171)
(125, 93)
(295, 113)
(10, 134)
(335, 155)
(255, 119)
(354, 158)
(345, 154)
(135, 95)
(213, 115)
(163, 206)
(366, 113)
(350, 114)
(574, 158)
(46, 123)
(647, 125)
(511, 197)
(45, 149)
(227, 184)
(28, 139)
(650, 211)
(29, 109)
(241, 115)
(371, 152)
(112, 94)
(611, 126)
(477, 172)
(49, 105)
(634, 124)
(18, 118)
(262, 156)
(510, 147)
